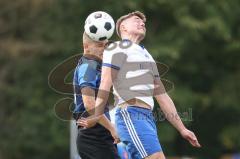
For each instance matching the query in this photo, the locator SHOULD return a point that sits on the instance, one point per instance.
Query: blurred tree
(199, 40)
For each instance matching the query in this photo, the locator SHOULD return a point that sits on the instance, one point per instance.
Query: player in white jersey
(132, 71)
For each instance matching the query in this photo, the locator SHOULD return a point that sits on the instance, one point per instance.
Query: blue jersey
(97, 140)
(87, 74)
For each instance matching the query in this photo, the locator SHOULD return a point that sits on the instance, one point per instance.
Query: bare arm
(107, 78)
(167, 106)
(99, 105)
(88, 96)
(170, 111)
(171, 114)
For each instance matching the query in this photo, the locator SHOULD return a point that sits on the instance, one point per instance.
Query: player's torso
(135, 75)
(87, 70)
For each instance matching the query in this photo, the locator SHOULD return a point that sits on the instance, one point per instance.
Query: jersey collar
(127, 40)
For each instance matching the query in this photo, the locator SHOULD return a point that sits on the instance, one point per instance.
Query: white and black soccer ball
(99, 26)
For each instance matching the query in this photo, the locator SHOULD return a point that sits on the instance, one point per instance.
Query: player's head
(93, 47)
(131, 24)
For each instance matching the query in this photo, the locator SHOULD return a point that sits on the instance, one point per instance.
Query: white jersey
(137, 71)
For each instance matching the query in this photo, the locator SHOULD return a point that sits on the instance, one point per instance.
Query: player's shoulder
(85, 64)
(118, 46)
(81, 69)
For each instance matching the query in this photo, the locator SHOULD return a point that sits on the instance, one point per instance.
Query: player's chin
(142, 30)
(142, 33)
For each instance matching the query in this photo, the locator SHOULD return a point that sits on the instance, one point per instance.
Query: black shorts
(96, 143)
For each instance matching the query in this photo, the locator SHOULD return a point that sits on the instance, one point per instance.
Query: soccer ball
(99, 26)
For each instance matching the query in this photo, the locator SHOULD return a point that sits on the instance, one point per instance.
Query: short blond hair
(129, 15)
(86, 39)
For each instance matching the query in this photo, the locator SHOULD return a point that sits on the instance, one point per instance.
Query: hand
(114, 135)
(87, 122)
(190, 136)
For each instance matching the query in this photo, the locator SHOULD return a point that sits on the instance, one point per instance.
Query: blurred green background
(199, 40)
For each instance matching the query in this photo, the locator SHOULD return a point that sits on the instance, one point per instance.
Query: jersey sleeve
(87, 76)
(114, 57)
(155, 70)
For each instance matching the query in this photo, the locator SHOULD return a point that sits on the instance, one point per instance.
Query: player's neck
(134, 38)
(94, 56)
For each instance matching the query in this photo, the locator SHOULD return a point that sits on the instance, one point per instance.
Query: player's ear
(122, 27)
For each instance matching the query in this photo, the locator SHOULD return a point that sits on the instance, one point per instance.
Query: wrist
(97, 118)
(182, 129)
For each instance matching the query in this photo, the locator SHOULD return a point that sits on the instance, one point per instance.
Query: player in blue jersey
(96, 142)
(132, 71)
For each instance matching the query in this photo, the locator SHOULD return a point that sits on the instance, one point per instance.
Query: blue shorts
(137, 130)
